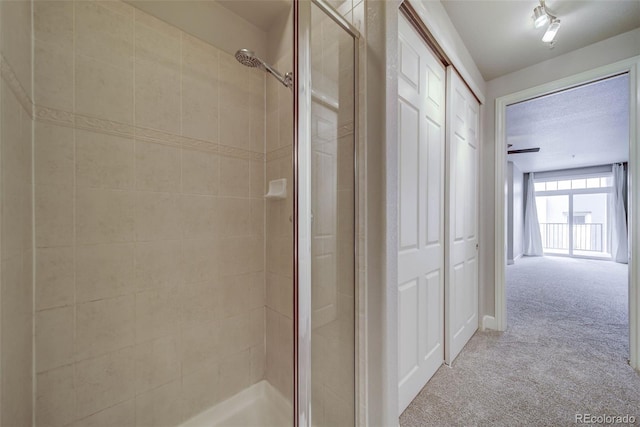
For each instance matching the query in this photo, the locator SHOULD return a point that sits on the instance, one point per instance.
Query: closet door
(462, 216)
(421, 107)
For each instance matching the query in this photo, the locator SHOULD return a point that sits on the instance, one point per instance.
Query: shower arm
(286, 80)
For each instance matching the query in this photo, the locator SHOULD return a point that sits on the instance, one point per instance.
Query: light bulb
(540, 17)
(550, 34)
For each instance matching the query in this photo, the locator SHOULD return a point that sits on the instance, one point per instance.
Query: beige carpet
(565, 352)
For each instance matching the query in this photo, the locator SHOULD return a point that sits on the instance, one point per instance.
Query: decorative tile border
(152, 135)
(200, 145)
(56, 117)
(225, 150)
(279, 153)
(93, 124)
(102, 126)
(9, 76)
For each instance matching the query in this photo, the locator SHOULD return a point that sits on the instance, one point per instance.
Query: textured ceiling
(501, 38)
(584, 126)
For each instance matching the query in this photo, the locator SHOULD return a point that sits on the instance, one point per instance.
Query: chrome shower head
(249, 59)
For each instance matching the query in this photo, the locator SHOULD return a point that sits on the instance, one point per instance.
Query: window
(575, 184)
(573, 213)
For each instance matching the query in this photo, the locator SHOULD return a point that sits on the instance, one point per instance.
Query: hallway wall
(608, 51)
(515, 212)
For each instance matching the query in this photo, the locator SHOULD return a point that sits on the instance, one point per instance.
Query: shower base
(260, 405)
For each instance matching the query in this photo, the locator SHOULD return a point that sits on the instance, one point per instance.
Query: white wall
(381, 170)
(510, 212)
(608, 51)
(518, 211)
(515, 219)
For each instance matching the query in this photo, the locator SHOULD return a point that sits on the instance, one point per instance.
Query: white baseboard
(517, 257)
(510, 262)
(489, 323)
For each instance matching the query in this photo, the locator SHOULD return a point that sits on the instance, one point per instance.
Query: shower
(250, 59)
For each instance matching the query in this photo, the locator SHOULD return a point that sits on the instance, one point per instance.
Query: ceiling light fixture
(541, 17)
(550, 34)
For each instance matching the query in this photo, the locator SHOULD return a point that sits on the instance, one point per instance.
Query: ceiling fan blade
(524, 150)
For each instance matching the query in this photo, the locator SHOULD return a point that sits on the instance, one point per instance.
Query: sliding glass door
(591, 225)
(574, 216)
(554, 223)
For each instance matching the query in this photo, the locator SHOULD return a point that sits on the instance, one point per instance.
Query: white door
(421, 108)
(324, 137)
(461, 296)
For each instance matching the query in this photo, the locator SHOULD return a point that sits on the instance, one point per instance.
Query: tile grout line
(34, 382)
(264, 229)
(74, 215)
(180, 200)
(135, 205)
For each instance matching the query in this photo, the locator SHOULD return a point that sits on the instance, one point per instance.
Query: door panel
(409, 174)
(461, 289)
(332, 222)
(408, 300)
(324, 209)
(421, 111)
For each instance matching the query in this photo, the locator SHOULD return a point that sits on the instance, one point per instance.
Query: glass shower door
(326, 193)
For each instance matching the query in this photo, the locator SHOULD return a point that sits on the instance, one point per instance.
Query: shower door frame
(302, 204)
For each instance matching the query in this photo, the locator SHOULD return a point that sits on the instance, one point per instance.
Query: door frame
(632, 67)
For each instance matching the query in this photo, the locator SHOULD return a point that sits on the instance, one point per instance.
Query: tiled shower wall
(150, 236)
(16, 213)
(279, 232)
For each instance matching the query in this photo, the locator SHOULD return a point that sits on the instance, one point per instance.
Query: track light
(540, 16)
(550, 34)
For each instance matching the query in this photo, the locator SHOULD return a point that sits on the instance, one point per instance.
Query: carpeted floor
(565, 352)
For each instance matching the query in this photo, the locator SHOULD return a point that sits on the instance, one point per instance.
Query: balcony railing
(586, 237)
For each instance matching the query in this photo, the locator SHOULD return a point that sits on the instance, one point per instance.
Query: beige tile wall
(126, 234)
(279, 234)
(150, 235)
(16, 209)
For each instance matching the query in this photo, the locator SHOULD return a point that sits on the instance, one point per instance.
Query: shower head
(249, 59)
